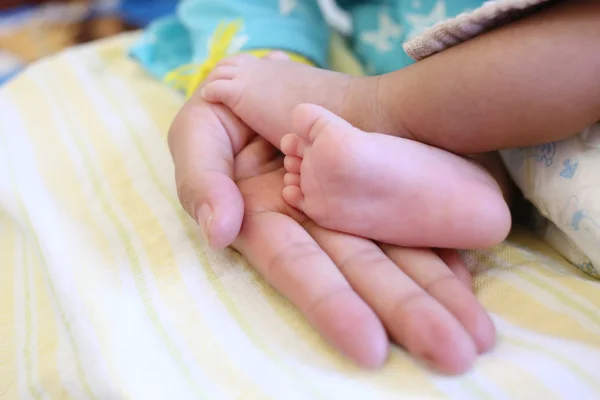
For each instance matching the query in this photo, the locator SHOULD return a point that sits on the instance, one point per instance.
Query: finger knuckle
(336, 297)
(295, 255)
(406, 301)
(364, 258)
(445, 279)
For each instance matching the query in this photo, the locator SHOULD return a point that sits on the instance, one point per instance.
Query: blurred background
(32, 29)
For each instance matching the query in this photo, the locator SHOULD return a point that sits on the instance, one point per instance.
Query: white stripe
(459, 386)
(28, 265)
(552, 372)
(56, 251)
(154, 145)
(247, 357)
(260, 368)
(138, 119)
(24, 280)
(25, 342)
(562, 269)
(263, 371)
(356, 384)
(118, 309)
(159, 366)
(509, 275)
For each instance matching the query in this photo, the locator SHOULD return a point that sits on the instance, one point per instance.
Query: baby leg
(392, 190)
(263, 93)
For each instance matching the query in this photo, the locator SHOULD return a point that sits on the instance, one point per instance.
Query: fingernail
(205, 94)
(205, 216)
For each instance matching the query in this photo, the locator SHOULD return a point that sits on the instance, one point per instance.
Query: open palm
(352, 290)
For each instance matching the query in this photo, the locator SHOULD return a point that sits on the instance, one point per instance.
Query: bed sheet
(106, 291)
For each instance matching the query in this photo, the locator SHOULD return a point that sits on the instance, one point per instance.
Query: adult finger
(281, 250)
(203, 140)
(452, 259)
(257, 158)
(432, 274)
(414, 319)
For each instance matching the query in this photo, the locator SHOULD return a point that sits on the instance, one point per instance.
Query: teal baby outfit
(380, 27)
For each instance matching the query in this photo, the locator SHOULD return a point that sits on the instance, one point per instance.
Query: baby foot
(389, 189)
(263, 92)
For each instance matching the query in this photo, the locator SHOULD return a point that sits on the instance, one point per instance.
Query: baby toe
(237, 60)
(294, 197)
(223, 72)
(291, 179)
(293, 145)
(223, 91)
(292, 164)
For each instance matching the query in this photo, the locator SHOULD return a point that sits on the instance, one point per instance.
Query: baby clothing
(387, 34)
(381, 27)
(562, 180)
(558, 178)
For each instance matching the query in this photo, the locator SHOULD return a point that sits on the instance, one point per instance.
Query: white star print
(420, 22)
(287, 6)
(237, 43)
(381, 38)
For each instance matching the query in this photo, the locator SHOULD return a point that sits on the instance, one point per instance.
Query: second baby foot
(263, 92)
(389, 189)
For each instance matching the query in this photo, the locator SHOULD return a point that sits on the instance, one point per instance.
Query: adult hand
(350, 289)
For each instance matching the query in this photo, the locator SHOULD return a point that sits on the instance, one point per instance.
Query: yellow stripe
(470, 385)
(569, 326)
(47, 338)
(154, 234)
(131, 208)
(576, 280)
(568, 363)
(522, 309)
(593, 315)
(58, 178)
(30, 336)
(289, 314)
(516, 380)
(148, 229)
(31, 229)
(154, 102)
(399, 364)
(9, 388)
(516, 306)
(55, 167)
(495, 292)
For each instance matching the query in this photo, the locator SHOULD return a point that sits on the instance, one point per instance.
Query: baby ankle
(361, 104)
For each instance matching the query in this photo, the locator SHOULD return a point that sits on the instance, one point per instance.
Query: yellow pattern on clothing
(188, 77)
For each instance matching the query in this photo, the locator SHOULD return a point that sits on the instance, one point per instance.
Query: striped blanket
(106, 291)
